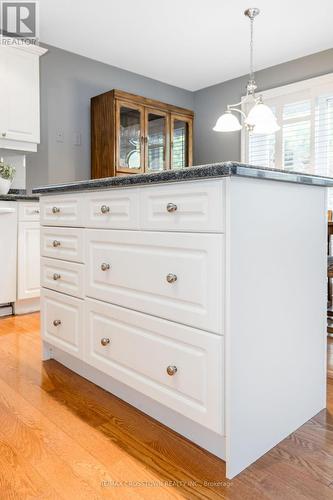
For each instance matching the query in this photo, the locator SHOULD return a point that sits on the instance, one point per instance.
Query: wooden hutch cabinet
(132, 134)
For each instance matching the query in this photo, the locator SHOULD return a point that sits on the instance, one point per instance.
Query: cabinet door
(129, 137)
(20, 95)
(181, 141)
(28, 260)
(156, 140)
(8, 246)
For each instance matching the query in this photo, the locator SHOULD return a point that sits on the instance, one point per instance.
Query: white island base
(243, 322)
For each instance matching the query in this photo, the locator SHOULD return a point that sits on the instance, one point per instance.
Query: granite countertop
(215, 170)
(18, 195)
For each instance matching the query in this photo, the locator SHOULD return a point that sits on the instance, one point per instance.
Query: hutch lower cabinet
(132, 134)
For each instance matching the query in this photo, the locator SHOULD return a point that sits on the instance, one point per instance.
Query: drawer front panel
(62, 321)
(62, 276)
(63, 243)
(116, 209)
(28, 211)
(62, 210)
(138, 270)
(197, 206)
(139, 350)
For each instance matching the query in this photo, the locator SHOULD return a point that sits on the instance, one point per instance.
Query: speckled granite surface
(214, 170)
(18, 195)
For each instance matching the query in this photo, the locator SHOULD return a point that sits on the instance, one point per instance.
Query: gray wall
(209, 103)
(68, 81)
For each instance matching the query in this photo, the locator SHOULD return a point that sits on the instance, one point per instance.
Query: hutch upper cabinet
(132, 134)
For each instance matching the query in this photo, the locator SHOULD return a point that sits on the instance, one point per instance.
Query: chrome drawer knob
(56, 276)
(55, 210)
(37, 211)
(105, 266)
(171, 207)
(57, 322)
(171, 278)
(105, 341)
(171, 370)
(4, 134)
(56, 243)
(105, 209)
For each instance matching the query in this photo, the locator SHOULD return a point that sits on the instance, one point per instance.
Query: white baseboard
(26, 306)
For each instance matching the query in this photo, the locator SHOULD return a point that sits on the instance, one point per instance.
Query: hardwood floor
(61, 437)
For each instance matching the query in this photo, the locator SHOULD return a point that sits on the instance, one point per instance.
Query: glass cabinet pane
(156, 142)
(130, 138)
(180, 144)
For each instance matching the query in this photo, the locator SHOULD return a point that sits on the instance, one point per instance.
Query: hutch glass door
(156, 141)
(130, 140)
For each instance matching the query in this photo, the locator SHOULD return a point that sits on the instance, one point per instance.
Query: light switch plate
(60, 136)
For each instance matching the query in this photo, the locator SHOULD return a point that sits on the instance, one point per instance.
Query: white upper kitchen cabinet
(19, 97)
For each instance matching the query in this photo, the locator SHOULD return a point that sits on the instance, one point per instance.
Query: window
(304, 143)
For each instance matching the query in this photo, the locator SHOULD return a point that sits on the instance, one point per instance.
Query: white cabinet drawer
(62, 321)
(138, 349)
(114, 209)
(62, 276)
(136, 266)
(28, 211)
(62, 210)
(189, 206)
(63, 243)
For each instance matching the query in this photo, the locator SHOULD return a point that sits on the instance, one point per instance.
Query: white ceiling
(188, 43)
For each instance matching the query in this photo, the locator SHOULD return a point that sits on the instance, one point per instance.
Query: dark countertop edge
(215, 170)
(19, 197)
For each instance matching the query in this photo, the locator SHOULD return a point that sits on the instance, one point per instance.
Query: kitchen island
(196, 295)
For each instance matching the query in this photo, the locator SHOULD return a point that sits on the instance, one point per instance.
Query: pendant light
(260, 119)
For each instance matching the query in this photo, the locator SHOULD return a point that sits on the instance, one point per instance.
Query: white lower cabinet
(28, 278)
(62, 321)
(134, 287)
(175, 365)
(175, 276)
(178, 292)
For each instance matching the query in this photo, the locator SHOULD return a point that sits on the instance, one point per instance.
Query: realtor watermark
(19, 22)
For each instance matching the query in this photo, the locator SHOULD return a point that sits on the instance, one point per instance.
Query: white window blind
(304, 143)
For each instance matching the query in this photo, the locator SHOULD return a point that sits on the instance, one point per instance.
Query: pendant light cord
(251, 49)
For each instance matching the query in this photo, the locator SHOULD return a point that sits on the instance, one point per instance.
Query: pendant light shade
(261, 120)
(227, 123)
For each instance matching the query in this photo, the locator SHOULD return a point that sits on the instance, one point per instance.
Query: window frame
(311, 89)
